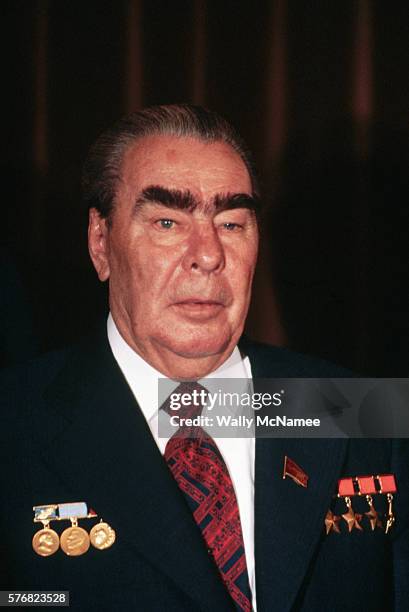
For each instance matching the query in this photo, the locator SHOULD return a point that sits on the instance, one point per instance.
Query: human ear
(98, 243)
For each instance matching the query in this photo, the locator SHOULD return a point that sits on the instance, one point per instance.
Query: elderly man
(194, 524)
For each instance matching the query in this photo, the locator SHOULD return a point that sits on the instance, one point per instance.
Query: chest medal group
(74, 540)
(369, 488)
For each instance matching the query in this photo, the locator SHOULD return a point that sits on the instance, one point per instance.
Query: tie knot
(187, 400)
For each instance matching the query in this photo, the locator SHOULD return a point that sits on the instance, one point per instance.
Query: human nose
(205, 251)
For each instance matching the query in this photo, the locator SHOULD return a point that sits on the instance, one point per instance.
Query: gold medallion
(74, 541)
(46, 542)
(102, 536)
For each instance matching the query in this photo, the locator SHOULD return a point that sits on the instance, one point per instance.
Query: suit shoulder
(268, 360)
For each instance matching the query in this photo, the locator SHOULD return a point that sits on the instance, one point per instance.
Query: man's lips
(198, 307)
(198, 301)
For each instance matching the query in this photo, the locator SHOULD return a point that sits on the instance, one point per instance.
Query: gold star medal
(351, 518)
(331, 522)
(372, 515)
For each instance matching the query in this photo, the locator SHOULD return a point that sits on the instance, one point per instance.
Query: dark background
(318, 89)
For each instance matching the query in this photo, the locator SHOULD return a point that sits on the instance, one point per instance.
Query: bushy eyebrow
(185, 200)
(172, 198)
(228, 201)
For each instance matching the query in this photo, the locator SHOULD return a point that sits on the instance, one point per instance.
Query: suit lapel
(106, 455)
(289, 519)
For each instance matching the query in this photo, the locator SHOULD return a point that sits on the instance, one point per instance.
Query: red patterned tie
(202, 475)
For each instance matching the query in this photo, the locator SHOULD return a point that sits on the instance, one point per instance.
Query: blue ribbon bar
(73, 510)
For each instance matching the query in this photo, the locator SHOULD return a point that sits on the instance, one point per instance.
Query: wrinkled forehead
(206, 170)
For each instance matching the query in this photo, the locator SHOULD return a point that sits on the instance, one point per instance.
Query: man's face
(180, 252)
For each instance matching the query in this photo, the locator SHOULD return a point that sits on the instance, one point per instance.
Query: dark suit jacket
(71, 431)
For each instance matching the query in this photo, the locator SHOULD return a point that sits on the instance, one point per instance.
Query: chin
(198, 350)
(199, 345)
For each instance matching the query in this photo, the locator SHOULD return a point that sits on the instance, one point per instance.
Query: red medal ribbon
(367, 485)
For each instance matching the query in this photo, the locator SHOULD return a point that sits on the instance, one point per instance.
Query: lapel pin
(74, 540)
(294, 471)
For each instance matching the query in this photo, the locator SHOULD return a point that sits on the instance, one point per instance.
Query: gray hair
(102, 168)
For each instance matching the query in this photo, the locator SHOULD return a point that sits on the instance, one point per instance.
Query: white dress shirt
(238, 453)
